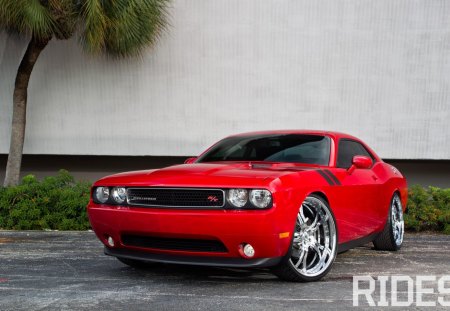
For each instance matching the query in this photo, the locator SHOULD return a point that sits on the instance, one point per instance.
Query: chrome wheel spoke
(314, 223)
(302, 220)
(296, 239)
(304, 263)
(303, 254)
(322, 252)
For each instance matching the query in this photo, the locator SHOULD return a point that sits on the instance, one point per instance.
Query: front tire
(391, 238)
(314, 243)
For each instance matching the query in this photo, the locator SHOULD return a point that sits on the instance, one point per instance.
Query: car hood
(242, 174)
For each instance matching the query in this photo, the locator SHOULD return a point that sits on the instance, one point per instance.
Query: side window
(347, 150)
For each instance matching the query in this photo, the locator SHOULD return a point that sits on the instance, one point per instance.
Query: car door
(359, 191)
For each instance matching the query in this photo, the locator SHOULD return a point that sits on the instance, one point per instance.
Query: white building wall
(377, 69)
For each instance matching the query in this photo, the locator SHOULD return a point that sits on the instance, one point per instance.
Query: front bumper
(267, 231)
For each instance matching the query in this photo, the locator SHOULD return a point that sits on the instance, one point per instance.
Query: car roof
(335, 135)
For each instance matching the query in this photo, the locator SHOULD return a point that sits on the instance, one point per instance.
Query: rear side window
(347, 150)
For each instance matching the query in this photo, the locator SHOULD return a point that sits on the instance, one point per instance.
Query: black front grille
(173, 243)
(176, 197)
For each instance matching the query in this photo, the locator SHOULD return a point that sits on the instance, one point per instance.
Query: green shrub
(53, 203)
(428, 209)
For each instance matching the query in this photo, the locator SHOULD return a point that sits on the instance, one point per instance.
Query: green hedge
(428, 209)
(53, 203)
(60, 203)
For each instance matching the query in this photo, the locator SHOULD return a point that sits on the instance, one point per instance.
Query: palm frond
(37, 19)
(94, 22)
(27, 17)
(11, 13)
(134, 24)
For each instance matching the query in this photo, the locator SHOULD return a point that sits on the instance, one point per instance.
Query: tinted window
(347, 150)
(311, 149)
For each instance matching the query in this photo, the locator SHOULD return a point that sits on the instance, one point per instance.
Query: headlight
(119, 194)
(101, 194)
(260, 198)
(237, 197)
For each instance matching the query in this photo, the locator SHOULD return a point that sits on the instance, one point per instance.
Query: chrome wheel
(391, 238)
(398, 224)
(314, 243)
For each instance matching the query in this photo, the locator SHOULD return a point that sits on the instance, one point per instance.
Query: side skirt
(355, 243)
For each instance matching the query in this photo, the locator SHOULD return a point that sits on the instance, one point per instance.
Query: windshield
(292, 148)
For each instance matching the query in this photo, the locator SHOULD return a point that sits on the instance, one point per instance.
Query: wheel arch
(397, 191)
(323, 196)
(402, 199)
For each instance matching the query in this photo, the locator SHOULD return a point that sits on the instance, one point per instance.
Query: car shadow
(219, 274)
(170, 271)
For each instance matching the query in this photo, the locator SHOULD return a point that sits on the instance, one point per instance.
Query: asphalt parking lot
(68, 271)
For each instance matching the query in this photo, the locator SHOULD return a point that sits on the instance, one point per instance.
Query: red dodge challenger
(288, 200)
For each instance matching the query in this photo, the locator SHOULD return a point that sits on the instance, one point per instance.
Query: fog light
(110, 241)
(246, 250)
(249, 251)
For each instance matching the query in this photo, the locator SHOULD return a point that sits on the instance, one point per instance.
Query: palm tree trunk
(35, 47)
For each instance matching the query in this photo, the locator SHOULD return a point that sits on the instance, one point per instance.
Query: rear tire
(314, 243)
(391, 238)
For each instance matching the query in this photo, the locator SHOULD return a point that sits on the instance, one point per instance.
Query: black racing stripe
(329, 173)
(327, 178)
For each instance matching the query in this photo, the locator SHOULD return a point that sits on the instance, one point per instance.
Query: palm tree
(117, 27)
